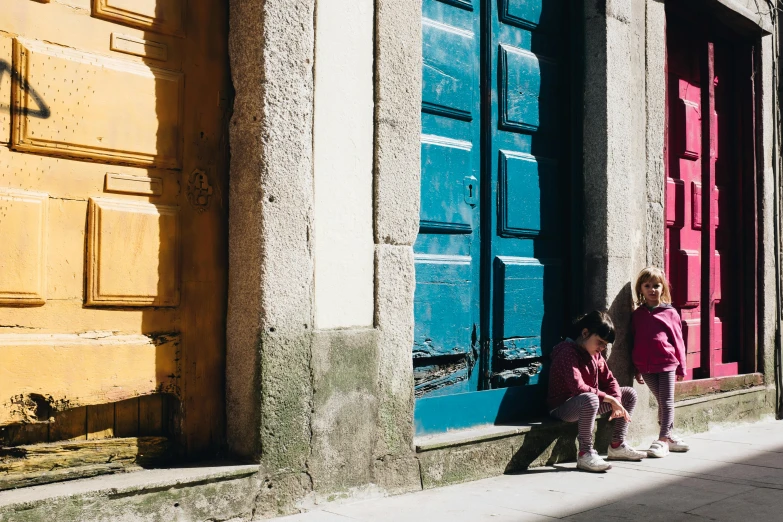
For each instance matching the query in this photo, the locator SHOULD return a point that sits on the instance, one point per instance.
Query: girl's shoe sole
(594, 470)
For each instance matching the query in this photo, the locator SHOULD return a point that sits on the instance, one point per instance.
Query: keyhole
(470, 191)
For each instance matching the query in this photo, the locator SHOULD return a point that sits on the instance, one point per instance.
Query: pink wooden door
(703, 208)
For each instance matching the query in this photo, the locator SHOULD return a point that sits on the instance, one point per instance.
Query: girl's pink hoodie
(657, 340)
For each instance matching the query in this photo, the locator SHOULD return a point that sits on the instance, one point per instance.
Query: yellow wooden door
(113, 176)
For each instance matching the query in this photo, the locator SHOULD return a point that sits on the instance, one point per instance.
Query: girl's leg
(651, 380)
(666, 403)
(581, 409)
(628, 400)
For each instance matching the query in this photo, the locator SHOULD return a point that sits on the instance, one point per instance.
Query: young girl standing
(581, 387)
(659, 353)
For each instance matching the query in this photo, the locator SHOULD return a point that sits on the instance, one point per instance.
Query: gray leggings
(583, 408)
(662, 386)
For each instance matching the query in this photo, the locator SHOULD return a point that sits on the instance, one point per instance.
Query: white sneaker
(658, 449)
(625, 452)
(590, 461)
(678, 445)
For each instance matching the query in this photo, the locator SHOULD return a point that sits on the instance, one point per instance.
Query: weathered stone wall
(327, 411)
(321, 410)
(270, 315)
(363, 379)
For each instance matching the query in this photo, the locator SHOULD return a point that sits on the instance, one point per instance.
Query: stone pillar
(614, 162)
(397, 193)
(270, 297)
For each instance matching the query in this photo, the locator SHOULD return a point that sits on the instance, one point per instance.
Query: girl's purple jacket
(575, 372)
(658, 345)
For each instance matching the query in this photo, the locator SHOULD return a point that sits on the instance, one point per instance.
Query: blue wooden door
(490, 253)
(448, 249)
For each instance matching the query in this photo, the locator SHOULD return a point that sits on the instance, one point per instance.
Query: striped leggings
(662, 387)
(583, 409)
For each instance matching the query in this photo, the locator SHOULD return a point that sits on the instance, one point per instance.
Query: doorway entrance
(711, 193)
(491, 255)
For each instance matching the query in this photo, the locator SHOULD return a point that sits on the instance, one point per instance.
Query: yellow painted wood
(68, 425)
(44, 457)
(5, 89)
(70, 314)
(20, 434)
(149, 134)
(96, 109)
(133, 253)
(128, 184)
(100, 421)
(110, 368)
(158, 16)
(152, 415)
(124, 43)
(23, 227)
(126, 418)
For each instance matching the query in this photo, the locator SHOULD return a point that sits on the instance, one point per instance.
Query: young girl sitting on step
(581, 387)
(658, 353)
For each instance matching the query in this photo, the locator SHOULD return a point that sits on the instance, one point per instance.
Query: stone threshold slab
(128, 484)
(482, 433)
(721, 395)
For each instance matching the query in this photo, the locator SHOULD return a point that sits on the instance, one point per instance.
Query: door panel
(149, 134)
(447, 250)
(684, 192)
(112, 290)
(153, 15)
(527, 145)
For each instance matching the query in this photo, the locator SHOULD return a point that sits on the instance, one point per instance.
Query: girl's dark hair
(596, 322)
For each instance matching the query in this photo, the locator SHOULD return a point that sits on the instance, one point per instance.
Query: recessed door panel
(23, 257)
(87, 96)
(524, 182)
(449, 69)
(133, 254)
(162, 16)
(443, 304)
(447, 251)
(446, 172)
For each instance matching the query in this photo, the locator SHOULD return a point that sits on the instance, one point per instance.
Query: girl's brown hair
(652, 273)
(596, 322)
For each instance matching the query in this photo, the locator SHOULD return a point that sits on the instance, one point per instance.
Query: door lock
(471, 190)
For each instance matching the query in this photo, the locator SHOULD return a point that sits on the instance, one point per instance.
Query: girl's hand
(639, 378)
(618, 412)
(680, 378)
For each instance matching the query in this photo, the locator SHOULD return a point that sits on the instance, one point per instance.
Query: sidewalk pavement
(731, 474)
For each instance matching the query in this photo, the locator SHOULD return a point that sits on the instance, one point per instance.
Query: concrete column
(655, 98)
(397, 191)
(270, 304)
(614, 162)
(766, 179)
